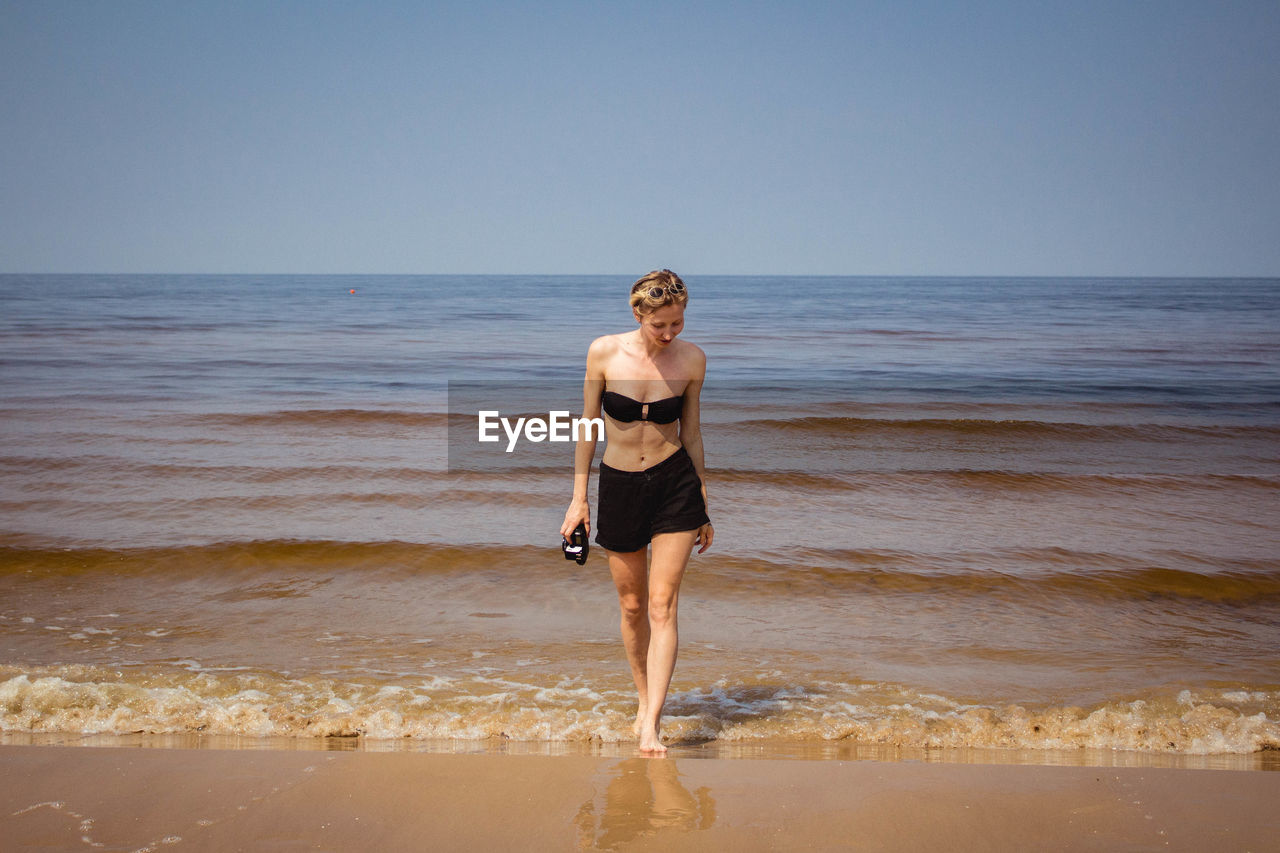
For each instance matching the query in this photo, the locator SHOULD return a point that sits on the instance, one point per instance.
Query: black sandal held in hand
(577, 547)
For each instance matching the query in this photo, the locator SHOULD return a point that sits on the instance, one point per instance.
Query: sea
(1032, 515)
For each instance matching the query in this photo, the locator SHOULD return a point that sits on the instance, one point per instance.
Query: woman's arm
(585, 451)
(691, 437)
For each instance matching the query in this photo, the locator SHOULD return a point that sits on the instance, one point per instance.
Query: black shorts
(637, 505)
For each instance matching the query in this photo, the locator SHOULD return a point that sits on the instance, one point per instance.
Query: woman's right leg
(670, 556)
(631, 578)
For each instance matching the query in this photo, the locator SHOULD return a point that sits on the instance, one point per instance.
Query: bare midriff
(638, 445)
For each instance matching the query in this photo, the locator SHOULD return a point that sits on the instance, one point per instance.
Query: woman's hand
(579, 512)
(705, 534)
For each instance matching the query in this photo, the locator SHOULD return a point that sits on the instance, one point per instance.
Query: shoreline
(1267, 760)
(213, 798)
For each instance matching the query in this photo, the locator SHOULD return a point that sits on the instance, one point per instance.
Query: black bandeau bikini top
(622, 408)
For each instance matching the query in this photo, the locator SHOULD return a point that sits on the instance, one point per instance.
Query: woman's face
(661, 327)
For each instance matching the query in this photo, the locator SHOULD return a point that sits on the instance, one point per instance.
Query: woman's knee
(662, 607)
(633, 606)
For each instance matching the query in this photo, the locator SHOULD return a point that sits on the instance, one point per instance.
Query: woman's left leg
(669, 555)
(631, 577)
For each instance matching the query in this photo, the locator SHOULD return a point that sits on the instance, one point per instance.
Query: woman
(653, 497)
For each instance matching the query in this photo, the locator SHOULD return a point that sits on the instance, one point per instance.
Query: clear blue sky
(1018, 138)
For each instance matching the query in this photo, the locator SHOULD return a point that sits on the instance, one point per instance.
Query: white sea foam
(476, 707)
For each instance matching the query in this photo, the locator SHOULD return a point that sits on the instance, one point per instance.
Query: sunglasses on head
(662, 290)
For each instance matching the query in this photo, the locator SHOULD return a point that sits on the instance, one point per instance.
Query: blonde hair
(673, 292)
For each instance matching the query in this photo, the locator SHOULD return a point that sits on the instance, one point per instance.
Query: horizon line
(1188, 276)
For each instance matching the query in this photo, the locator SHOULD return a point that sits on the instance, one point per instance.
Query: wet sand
(54, 797)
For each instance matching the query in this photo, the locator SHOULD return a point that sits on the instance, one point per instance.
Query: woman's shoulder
(601, 354)
(691, 354)
(610, 341)
(605, 346)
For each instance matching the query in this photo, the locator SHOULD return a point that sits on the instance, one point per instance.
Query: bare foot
(635, 727)
(651, 742)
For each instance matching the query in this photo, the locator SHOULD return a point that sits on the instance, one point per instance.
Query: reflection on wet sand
(643, 798)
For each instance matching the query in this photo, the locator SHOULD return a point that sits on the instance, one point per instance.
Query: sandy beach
(54, 797)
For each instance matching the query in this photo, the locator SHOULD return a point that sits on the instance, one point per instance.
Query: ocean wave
(1016, 575)
(854, 418)
(998, 480)
(1204, 721)
(819, 426)
(323, 418)
(314, 558)
(79, 472)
